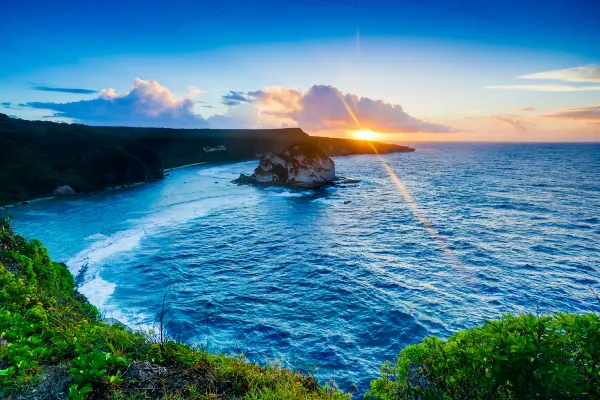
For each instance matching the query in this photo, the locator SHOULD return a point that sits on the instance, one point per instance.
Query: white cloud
(242, 116)
(320, 108)
(327, 108)
(546, 88)
(193, 90)
(589, 73)
(147, 104)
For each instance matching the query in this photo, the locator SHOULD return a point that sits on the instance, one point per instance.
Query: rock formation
(93, 158)
(63, 191)
(301, 164)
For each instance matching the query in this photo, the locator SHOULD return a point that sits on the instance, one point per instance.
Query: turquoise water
(338, 280)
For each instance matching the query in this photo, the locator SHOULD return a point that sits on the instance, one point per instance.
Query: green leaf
(7, 372)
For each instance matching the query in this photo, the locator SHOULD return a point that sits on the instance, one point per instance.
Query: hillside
(38, 156)
(55, 345)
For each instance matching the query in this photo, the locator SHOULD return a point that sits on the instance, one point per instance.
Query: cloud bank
(546, 88)
(584, 113)
(589, 73)
(327, 108)
(320, 108)
(147, 104)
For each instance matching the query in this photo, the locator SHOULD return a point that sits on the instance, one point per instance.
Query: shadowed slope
(37, 157)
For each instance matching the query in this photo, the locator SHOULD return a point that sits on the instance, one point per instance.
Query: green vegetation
(48, 329)
(36, 157)
(516, 357)
(53, 344)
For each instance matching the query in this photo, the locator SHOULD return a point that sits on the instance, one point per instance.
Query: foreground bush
(53, 344)
(517, 357)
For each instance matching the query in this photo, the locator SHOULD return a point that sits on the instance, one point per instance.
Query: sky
(460, 70)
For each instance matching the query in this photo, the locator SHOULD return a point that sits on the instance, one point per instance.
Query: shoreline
(109, 189)
(185, 166)
(153, 148)
(26, 202)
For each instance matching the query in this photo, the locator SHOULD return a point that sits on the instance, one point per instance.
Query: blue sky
(435, 59)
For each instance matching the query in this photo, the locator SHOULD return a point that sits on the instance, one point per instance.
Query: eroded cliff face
(301, 164)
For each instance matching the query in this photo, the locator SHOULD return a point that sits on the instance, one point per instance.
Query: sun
(365, 134)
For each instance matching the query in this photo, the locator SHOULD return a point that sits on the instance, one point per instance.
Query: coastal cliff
(56, 345)
(37, 157)
(301, 164)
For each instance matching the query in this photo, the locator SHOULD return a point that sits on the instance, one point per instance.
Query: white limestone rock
(63, 191)
(302, 164)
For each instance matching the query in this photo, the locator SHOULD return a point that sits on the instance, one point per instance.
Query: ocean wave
(96, 236)
(337, 278)
(104, 248)
(98, 291)
(287, 193)
(331, 201)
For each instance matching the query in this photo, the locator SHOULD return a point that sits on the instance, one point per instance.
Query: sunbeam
(455, 261)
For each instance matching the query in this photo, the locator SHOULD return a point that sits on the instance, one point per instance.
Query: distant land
(37, 157)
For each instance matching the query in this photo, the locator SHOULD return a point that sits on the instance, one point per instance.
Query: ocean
(336, 281)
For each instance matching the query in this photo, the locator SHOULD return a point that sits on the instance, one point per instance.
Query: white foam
(218, 174)
(101, 249)
(96, 236)
(178, 214)
(104, 246)
(290, 194)
(98, 291)
(134, 319)
(324, 200)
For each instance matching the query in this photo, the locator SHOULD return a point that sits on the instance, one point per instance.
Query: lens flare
(409, 199)
(365, 135)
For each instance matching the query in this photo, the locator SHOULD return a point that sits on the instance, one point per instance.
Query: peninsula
(42, 158)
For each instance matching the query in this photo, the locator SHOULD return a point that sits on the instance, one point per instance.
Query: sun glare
(365, 135)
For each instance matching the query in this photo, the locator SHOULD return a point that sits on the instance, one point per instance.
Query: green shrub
(87, 369)
(44, 322)
(516, 357)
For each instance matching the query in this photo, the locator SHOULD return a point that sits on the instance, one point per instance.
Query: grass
(54, 344)
(46, 326)
(516, 357)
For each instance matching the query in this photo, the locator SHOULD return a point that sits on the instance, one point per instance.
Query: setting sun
(365, 135)
(406, 191)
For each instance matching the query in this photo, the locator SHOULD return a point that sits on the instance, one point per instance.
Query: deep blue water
(340, 279)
